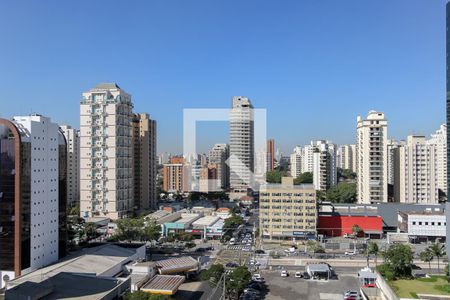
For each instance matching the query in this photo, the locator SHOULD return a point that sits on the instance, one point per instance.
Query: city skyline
(322, 67)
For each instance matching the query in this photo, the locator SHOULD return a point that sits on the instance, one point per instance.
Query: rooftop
(92, 261)
(177, 265)
(107, 86)
(65, 286)
(163, 284)
(206, 221)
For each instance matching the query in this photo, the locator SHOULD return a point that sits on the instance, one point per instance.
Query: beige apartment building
(287, 211)
(415, 172)
(72, 136)
(106, 152)
(346, 157)
(439, 140)
(372, 167)
(144, 161)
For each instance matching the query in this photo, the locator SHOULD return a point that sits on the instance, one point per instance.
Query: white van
(232, 241)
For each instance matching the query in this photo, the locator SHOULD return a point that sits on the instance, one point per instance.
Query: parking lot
(298, 288)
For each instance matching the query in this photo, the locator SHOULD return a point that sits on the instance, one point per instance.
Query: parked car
(350, 253)
(284, 273)
(231, 265)
(298, 275)
(352, 295)
(260, 251)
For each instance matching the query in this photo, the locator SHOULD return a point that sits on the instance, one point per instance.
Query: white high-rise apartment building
(392, 145)
(307, 162)
(415, 172)
(218, 155)
(106, 152)
(242, 146)
(371, 148)
(439, 139)
(324, 165)
(73, 163)
(346, 157)
(33, 231)
(296, 162)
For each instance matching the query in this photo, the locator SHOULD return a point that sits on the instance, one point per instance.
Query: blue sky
(314, 65)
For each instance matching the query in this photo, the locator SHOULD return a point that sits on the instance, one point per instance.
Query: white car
(298, 275)
(284, 273)
(350, 253)
(256, 276)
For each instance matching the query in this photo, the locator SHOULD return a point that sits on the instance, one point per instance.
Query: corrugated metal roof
(166, 284)
(175, 265)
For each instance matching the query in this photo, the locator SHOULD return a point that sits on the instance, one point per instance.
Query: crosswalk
(240, 248)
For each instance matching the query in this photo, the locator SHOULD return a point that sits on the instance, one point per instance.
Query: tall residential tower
(144, 162)
(242, 146)
(372, 158)
(106, 152)
(73, 163)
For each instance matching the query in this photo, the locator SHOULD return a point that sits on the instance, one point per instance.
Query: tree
(305, 177)
(398, 259)
(346, 174)
(356, 230)
(438, 250)
(74, 210)
(140, 295)
(237, 280)
(372, 248)
(90, 230)
(130, 229)
(344, 192)
(427, 256)
(233, 222)
(274, 176)
(213, 274)
(314, 246)
(151, 231)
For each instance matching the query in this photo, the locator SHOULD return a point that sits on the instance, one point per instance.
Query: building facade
(371, 156)
(270, 155)
(144, 161)
(73, 163)
(287, 211)
(173, 175)
(218, 155)
(392, 145)
(439, 140)
(346, 157)
(324, 165)
(106, 152)
(242, 147)
(296, 162)
(422, 225)
(415, 172)
(209, 178)
(33, 181)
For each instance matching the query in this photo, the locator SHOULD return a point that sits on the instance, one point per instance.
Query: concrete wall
(386, 291)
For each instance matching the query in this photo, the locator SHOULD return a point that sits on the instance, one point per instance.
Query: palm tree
(438, 250)
(427, 256)
(373, 248)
